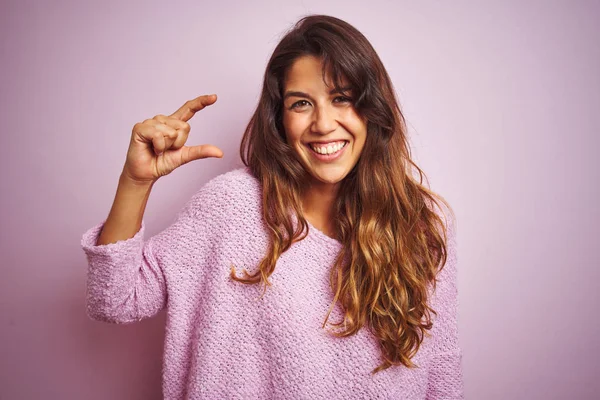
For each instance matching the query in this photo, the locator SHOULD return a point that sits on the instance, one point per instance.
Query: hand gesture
(157, 145)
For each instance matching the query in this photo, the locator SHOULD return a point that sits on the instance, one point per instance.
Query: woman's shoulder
(444, 211)
(236, 189)
(233, 182)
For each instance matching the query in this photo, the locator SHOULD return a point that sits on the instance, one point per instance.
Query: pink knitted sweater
(223, 343)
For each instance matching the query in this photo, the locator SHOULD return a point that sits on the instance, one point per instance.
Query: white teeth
(329, 149)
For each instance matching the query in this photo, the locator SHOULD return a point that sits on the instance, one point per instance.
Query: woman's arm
(445, 376)
(127, 211)
(125, 279)
(126, 282)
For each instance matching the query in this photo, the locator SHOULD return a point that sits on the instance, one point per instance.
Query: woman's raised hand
(157, 144)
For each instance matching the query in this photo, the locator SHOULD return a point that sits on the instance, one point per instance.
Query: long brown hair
(394, 243)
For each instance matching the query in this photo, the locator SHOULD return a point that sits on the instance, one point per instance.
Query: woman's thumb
(203, 151)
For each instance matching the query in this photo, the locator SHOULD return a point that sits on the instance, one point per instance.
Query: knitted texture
(223, 342)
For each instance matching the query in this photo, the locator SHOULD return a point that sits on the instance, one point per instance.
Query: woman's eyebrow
(302, 94)
(295, 94)
(341, 90)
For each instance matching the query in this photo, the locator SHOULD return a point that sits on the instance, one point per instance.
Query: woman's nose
(324, 120)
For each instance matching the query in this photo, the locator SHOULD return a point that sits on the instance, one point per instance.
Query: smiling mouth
(328, 149)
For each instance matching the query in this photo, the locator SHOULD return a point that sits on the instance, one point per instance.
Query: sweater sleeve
(445, 375)
(125, 280)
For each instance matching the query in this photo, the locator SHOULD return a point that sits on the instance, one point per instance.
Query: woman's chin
(328, 176)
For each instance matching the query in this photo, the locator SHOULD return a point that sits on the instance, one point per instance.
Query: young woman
(321, 269)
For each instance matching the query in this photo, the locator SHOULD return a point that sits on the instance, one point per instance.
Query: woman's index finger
(191, 107)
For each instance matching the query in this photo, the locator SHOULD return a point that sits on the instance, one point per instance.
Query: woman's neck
(317, 206)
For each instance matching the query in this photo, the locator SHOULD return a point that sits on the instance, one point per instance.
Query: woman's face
(322, 126)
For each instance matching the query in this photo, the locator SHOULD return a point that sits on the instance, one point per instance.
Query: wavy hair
(393, 242)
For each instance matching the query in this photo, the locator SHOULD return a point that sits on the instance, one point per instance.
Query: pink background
(502, 102)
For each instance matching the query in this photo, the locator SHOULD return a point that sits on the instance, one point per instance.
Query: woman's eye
(343, 99)
(338, 99)
(299, 103)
